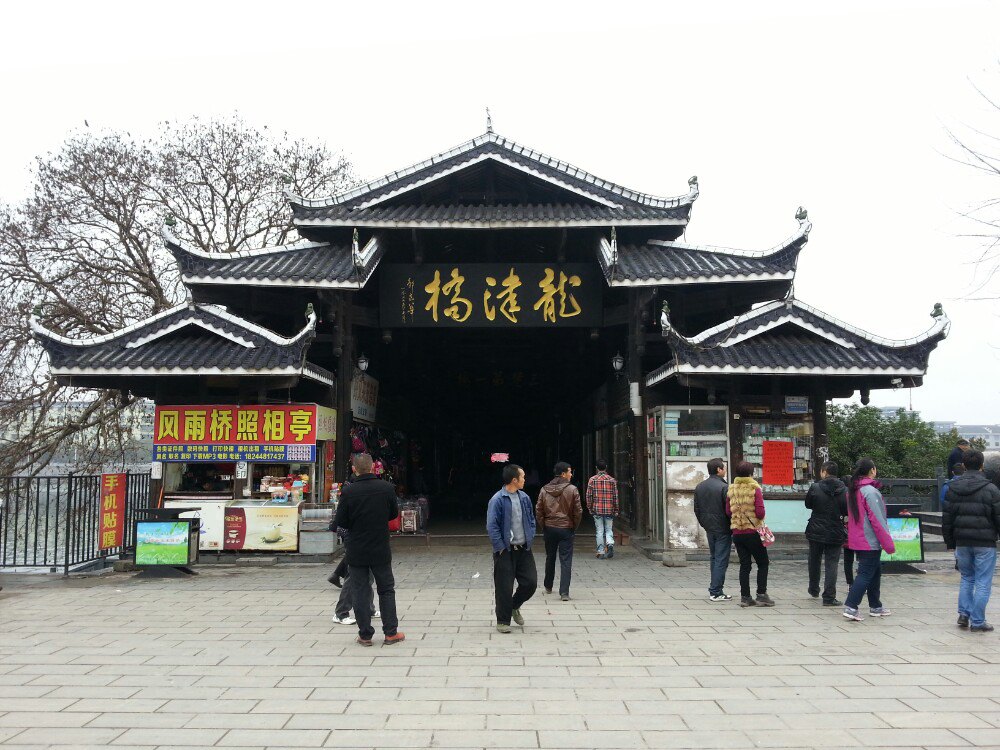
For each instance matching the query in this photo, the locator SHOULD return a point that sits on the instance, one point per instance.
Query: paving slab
(248, 658)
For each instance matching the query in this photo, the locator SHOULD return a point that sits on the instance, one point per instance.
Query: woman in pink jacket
(867, 535)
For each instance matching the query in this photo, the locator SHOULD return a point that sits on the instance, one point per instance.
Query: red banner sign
(112, 510)
(779, 462)
(284, 424)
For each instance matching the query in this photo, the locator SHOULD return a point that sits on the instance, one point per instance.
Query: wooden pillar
(634, 371)
(821, 440)
(777, 398)
(735, 424)
(345, 372)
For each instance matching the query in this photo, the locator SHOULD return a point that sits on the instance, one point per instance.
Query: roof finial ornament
(693, 189)
(489, 121)
(665, 317)
(938, 311)
(802, 216)
(354, 245)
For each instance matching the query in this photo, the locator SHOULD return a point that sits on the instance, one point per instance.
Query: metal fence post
(69, 520)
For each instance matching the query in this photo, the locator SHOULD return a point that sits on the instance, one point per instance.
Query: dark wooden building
(500, 301)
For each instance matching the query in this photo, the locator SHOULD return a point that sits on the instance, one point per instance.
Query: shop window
(798, 473)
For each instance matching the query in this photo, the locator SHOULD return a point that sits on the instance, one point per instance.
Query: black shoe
(611, 551)
(764, 600)
(963, 621)
(814, 594)
(747, 601)
(832, 603)
(984, 628)
(336, 581)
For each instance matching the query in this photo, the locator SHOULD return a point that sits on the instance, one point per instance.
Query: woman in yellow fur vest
(745, 508)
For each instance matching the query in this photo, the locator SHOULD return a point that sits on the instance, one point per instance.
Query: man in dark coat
(825, 531)
(971, 527)
(955, 457)
(710, 510)
(366, 506)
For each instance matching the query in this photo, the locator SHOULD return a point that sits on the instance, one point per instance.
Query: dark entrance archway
(462, 395)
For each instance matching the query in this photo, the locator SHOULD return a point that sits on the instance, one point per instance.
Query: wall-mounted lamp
(363, 363)
(618, 362)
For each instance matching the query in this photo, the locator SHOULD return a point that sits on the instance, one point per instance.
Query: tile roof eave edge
(491, 137)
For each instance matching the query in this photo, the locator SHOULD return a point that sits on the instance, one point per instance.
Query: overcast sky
(840, 107)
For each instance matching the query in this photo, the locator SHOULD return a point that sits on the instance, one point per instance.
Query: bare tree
(83, 251)
(979, 149)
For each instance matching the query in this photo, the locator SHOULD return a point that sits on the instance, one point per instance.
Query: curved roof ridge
(942, 325)
(529, 153)
(216, 310)
(173, 242)
(802, 235)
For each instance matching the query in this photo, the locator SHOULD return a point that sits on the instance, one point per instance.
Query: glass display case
(680, 442)
(781, 451)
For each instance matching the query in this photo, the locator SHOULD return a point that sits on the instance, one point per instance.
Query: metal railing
(925, 492)
(54, 522)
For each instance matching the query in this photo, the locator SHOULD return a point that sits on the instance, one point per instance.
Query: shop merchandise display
(388, 449)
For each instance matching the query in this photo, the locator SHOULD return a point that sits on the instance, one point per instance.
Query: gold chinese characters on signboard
(477, 294)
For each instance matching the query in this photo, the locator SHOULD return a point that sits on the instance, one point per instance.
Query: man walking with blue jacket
(510, 522)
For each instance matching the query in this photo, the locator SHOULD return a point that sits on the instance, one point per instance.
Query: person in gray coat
(710, 509)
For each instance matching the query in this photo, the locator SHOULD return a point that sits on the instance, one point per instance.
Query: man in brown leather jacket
(558, 513)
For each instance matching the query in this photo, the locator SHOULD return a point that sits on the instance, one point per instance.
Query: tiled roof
(489, 217)
(491, 146)
(184, 340)
(304, 264)
(790, 338)
(662, 263)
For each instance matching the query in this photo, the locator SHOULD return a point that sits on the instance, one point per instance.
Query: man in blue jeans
(602, 502)
(710, 509)
(971, 528)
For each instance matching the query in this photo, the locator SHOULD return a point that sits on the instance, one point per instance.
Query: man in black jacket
(825, 531)
(971, 526)
(366, 506)
(710, 509)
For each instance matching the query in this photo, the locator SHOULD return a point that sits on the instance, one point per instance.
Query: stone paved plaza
(248, 657)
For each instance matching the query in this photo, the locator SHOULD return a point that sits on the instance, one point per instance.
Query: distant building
(988, 433)
(892, 412)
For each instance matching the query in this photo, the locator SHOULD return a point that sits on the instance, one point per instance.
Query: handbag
(766, 535)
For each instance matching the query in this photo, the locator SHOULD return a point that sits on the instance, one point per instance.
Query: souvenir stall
(782, 449)
(388, 449)
(245, 470)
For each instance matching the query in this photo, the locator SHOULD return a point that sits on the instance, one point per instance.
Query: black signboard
(488, 295)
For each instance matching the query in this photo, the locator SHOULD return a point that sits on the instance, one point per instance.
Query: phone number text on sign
(260, 452)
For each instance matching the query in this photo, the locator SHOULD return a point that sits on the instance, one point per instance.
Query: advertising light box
(907, 533)
(166, 543)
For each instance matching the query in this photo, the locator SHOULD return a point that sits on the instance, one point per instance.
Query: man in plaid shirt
(602, 502)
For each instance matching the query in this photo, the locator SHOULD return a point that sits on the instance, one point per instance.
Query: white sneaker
(852, 614)
(344, 620)
(377, 615)
(720, 598)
